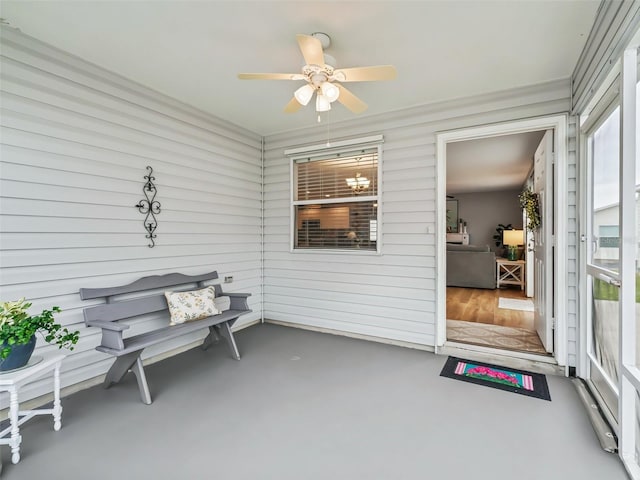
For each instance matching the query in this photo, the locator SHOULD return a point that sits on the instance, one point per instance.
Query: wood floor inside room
(481, 306)
(474, 317)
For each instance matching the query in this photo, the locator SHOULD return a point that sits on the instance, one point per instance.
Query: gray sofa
(471, 266)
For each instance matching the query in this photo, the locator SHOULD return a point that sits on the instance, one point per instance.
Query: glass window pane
(345, 175)
(606, 192)
(350, 226)
(335, 204)
(606, 327)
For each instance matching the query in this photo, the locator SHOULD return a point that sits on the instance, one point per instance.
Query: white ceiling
(193, 51)
(491, 164)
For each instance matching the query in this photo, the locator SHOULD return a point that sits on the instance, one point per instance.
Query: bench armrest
(238, 300)
(111, 333)
(105, 325)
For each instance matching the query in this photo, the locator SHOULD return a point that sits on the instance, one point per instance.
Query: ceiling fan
(323, 78)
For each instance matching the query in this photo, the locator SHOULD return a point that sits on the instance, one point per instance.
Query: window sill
(336, 251)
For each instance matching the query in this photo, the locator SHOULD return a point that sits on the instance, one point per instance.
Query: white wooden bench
(127, 350)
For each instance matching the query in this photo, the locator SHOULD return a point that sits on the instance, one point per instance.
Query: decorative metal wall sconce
(149, 206)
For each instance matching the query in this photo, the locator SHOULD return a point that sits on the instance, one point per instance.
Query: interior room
(225, 230)
(490, 304)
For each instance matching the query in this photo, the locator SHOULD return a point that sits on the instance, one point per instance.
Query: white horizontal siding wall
(75, 143)
(391, 296)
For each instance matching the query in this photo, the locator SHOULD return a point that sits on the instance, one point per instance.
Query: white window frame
(343, 146)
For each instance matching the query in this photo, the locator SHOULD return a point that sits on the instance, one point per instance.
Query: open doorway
(499, 283)
(490, 289)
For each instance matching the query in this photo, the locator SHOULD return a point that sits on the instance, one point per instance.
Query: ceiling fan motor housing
(318, 79)
(314, 71)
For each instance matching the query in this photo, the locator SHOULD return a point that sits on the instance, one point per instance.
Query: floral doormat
(516, 381)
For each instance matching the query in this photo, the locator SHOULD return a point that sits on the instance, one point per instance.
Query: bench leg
(121, 366)
(138, 371)
(224, 330)
(210, 339)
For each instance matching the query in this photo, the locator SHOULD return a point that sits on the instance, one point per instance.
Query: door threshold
(507, 358)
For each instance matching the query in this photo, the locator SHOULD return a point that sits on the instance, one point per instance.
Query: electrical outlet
(228, 279)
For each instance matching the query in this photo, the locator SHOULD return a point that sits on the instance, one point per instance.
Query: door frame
(559, 123)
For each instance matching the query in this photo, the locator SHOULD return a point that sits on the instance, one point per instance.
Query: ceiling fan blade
(366, 74)
(311, 49)
(350, 101)
(270, 76)
(293, 106)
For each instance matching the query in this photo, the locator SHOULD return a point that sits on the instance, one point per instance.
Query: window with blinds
(335, 200)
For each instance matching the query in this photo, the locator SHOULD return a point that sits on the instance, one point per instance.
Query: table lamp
(512, 238)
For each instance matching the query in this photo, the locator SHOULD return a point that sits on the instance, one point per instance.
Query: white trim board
(359, 336)
(507, 358)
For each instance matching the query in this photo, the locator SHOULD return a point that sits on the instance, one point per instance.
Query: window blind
(340, 176)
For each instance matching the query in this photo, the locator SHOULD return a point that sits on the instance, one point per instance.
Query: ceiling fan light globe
(330, 91)
(303, 94)
(322, 103)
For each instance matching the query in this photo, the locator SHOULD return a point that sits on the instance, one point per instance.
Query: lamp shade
(513, 237)
(304, 94)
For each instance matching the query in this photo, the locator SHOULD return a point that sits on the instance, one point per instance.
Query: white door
(610, 277)
(603, 277)
(543, 242)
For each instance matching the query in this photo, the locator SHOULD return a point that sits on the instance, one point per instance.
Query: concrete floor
(303, 405)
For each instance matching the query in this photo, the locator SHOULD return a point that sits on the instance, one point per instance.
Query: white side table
(510, 272)
(13, 380)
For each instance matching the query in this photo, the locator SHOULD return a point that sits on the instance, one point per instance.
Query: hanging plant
(531, 204)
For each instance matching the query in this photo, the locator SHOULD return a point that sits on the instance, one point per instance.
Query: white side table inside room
(510, 272)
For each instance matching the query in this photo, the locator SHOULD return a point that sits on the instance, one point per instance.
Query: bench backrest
(114, 310)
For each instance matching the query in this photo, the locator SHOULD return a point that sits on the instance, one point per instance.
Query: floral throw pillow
(192, 305)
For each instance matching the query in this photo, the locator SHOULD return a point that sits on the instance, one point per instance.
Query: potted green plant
(498, 237)
(18, 333)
